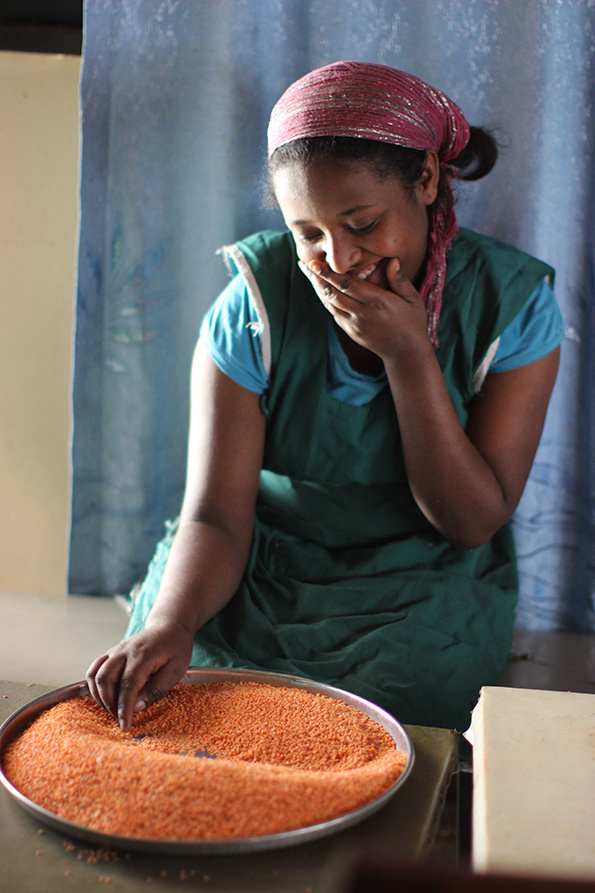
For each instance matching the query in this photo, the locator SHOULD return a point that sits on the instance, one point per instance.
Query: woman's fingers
(104, 680)
(91, 680)
(386, 320)
(139, 671)
(140, 687)
(399, 283)
(115, 678)
(348, 297)
(335, 291)
(130, 685)
(157, 686)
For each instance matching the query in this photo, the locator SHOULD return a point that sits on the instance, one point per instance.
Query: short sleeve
(232, 331)
(532, 334)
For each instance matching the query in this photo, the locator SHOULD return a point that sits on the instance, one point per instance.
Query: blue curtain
(175, 101)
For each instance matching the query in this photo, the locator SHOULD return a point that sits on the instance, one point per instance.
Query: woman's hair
(386, 159)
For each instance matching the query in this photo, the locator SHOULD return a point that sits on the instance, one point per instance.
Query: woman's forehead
(340, 182)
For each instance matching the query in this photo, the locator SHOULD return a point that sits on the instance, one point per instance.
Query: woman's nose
(341, 254)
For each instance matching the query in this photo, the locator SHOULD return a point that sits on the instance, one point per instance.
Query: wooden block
(534, 783)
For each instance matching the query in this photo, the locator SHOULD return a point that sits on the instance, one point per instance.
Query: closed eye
(357, 231)
(313, 238)
(362, 230)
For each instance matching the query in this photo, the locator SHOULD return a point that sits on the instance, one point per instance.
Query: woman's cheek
(306, 254)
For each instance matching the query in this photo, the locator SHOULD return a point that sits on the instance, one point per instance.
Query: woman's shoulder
(534, 332)
(488, 282)
(262, 250)
(267, 264)
(493, 255)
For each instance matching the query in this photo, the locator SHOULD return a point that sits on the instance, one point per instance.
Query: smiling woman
(355, 452)
(348, 216)
(346, 219)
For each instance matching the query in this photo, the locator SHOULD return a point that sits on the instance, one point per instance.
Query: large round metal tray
(23, 717)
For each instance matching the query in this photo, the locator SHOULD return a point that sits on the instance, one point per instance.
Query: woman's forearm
(451, 482)
(468, 481)
(210, 549)
(203, 571)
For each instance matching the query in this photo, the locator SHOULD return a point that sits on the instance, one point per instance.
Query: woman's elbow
(466, 540)
(470, 531)
(471, 534)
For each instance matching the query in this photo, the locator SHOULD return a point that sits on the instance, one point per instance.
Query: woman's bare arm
(209, 553)
(469, 482)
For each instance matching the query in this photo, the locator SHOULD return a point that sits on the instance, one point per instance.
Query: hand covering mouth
(374, 273)
(363, 274)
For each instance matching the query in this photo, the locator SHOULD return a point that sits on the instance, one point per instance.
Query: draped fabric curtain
(175, 100)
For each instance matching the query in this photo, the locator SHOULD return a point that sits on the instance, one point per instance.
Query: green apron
(347, 582)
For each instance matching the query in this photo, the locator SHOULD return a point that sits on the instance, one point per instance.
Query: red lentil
(285, 759)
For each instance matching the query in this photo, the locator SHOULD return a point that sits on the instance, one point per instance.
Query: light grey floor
(53, 640)
(555, 661)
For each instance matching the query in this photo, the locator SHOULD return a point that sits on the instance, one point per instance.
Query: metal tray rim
(200, 675)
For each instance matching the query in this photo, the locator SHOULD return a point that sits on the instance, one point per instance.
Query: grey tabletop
(33, 857)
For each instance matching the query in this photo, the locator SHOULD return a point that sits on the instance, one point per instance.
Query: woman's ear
(427, 185)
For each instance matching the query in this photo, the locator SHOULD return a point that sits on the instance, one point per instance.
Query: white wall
(39, 135)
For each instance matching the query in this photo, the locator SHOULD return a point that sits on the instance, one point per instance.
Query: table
(34, 857)
(533, 783)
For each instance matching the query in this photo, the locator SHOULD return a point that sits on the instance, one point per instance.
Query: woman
(355, 454)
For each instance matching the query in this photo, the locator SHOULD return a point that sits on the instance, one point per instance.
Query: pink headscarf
(361, 99)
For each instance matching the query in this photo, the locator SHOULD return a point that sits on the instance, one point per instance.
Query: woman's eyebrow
(346, 213)
(354, 210)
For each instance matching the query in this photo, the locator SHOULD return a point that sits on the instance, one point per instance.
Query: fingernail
(315, 267)
(139, 706)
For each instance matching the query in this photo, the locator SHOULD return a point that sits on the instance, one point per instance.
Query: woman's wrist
(167, 621)
(411, 356)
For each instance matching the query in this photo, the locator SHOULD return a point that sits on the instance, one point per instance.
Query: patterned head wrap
(360, 99)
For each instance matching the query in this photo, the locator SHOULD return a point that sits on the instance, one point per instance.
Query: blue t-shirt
(232, 330)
